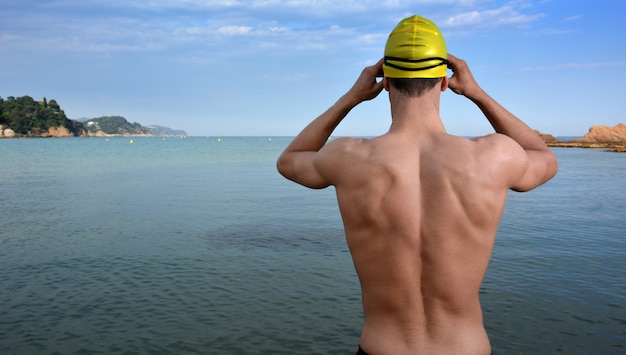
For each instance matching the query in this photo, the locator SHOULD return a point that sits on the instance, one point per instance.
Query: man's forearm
(506, 123)
(313, 137)
(297, 162)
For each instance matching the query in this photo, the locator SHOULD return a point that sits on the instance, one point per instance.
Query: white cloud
(7, 37)
(234, 30)
(553, 32)
(574, 18)
(194, 27)
(372, 38)
(326, 7)
(503, 16)
(577, 66)
(277, 29)
(163, 4)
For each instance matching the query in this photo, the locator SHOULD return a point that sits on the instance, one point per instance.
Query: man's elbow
(282, 164)
(552, 164)
(287, 166)
(550, 170)
(542, 171)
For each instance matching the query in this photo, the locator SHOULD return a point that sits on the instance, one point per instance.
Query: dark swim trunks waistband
(362, 352)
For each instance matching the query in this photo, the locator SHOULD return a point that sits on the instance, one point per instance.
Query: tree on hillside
(26, 116)
(54, 106)
(2, 118)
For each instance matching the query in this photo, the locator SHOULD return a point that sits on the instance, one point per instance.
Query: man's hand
(462, 81)
(366, 87)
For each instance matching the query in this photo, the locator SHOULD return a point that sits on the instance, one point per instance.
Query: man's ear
(444, 83)
(386, 83)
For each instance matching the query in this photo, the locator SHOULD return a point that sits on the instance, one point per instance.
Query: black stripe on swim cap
(442, 61)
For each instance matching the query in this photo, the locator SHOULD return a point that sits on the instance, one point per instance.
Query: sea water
(198, 246)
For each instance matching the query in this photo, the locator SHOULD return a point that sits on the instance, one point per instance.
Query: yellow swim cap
(415, 49)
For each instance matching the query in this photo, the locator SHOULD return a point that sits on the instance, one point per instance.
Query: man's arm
(541, 163)
(297, 163)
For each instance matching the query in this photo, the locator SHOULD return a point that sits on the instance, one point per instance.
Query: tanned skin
(420, 208)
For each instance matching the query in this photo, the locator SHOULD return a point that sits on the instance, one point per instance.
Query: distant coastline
(615, 147)
(612, 138)
(115, 126)
(24, 117)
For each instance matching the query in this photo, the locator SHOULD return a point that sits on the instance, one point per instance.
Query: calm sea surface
(198, 246)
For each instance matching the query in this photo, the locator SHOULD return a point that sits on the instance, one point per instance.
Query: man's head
(415, 56)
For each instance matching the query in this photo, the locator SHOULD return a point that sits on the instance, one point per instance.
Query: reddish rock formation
(613, 138)
(6, 132)
(548, 138)
(604, 134)
(59, 131)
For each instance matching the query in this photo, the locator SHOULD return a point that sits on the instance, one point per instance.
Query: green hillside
(114, 125)
(30, 118)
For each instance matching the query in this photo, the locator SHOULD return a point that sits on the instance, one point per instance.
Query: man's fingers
(452, 62)
(378, 68)
(379, 64)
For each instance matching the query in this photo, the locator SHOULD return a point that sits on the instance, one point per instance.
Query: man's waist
(453, 335)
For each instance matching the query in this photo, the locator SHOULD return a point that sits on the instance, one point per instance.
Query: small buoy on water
(131, 141)
(219, 139)
(270, 139)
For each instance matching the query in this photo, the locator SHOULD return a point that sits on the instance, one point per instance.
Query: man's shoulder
(347, 145)
(494, 138)
(349, 141)
(340, 153)
(497, 143)
(502, 153)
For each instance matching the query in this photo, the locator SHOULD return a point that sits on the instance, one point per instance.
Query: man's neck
(416, 114)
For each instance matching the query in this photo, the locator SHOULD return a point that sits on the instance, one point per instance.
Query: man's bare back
(420, 208)
(420, 217)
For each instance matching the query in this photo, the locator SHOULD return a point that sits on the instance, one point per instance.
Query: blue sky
(268, 67)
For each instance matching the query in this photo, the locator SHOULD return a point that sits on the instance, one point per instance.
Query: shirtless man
(420, 207)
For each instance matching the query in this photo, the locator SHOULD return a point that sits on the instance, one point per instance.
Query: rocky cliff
(548, 138)
(604, 134)
(6, 132)
(58, 131)
(61, 131)
(613, 138)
